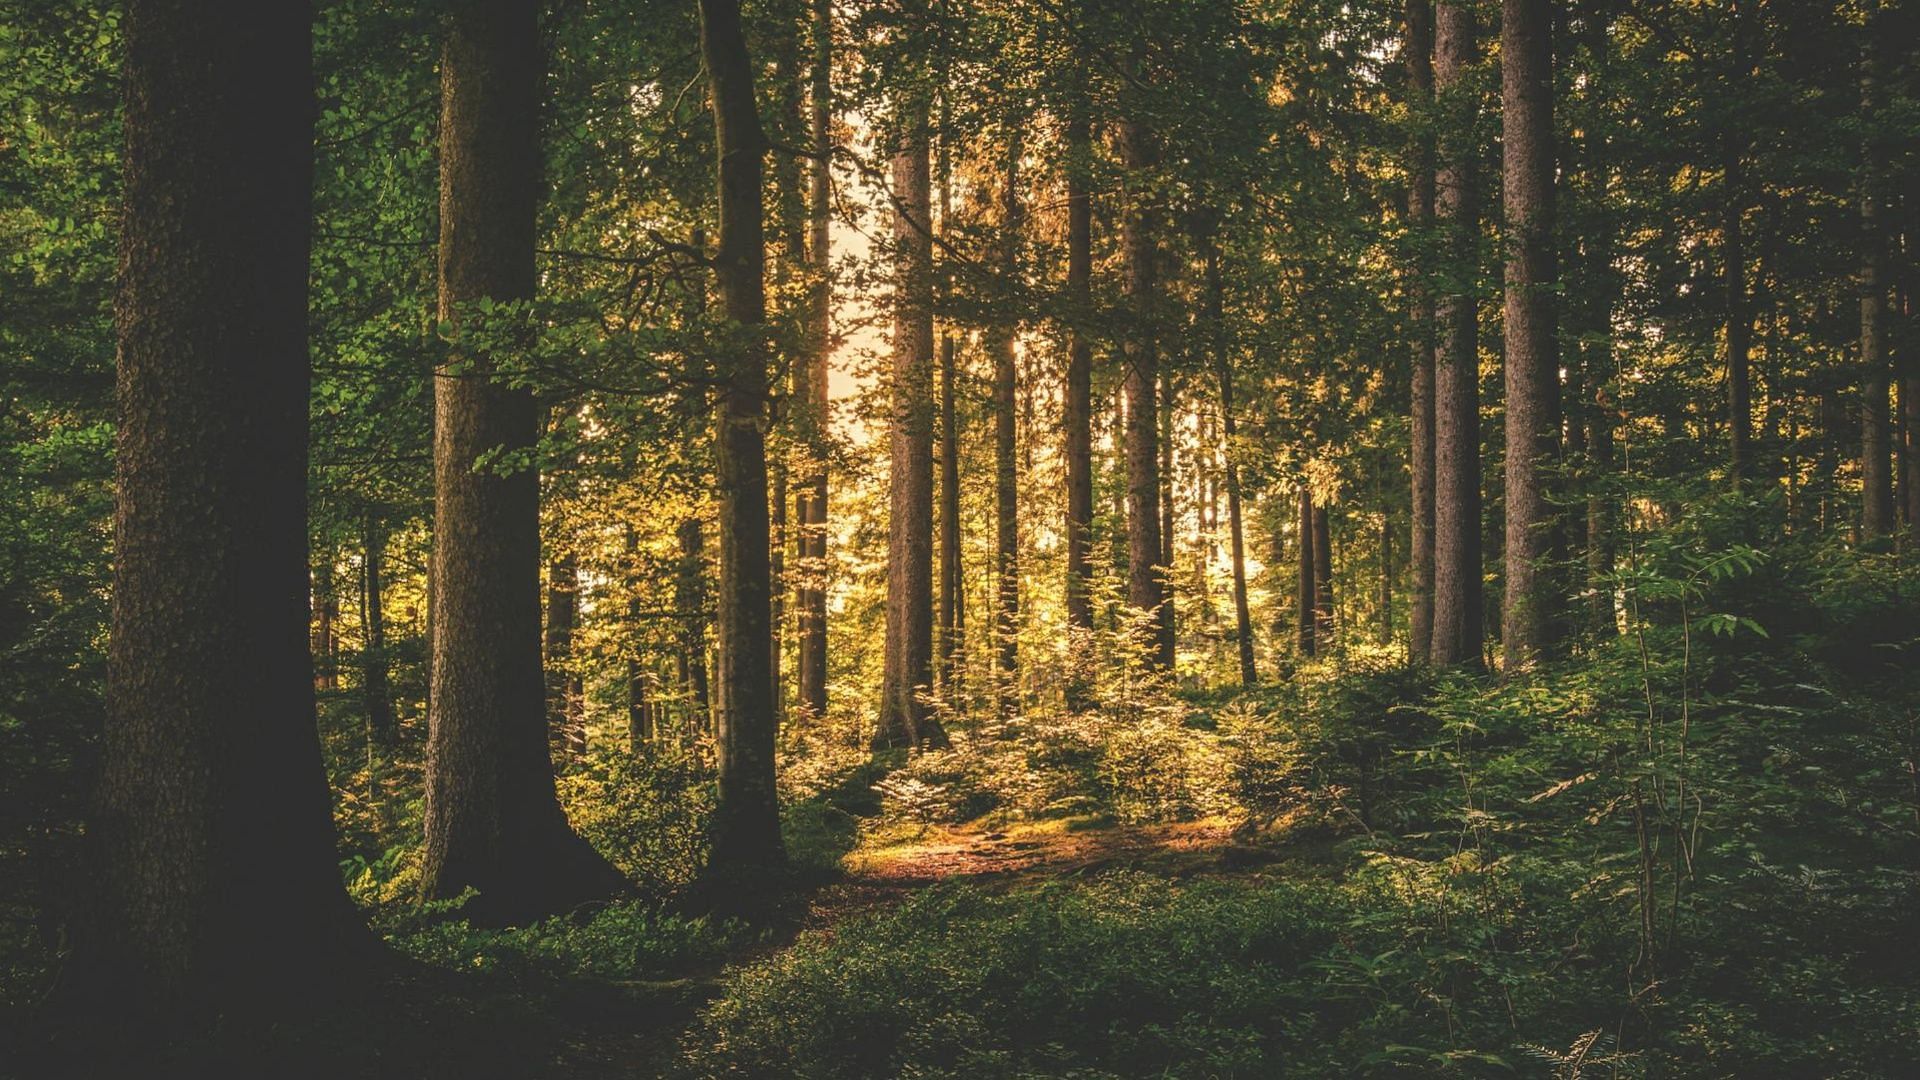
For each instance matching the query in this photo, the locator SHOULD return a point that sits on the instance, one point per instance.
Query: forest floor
(634, 1029)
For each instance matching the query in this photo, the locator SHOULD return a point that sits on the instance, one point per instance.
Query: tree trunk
(1077, 405)
(566, 734)
(1530, 610)
(1322, 579)
(213, 890)
(1307, 596)
(326, 644)
(1876, 475)
(381, 728)
(1910, 452)
(745, 832)
(953, 591)
(1383, 633)
(639, 725)
(1420, 196)
(1457, 596)
(1223, 364)
(904, 719)
(1146, 578)
(690, 603)
(1739, 329)
(493, 822)
(1006, 470)
(814, 410)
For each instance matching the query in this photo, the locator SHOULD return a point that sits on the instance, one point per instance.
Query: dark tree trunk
(1383, 633)
(381, 728)
(953, 592)
(213, 890)
(1306, 596)
(1739, 329)
(566, 733)
(690, 602)
(640, 730)
(1530, 611)
(904, 719)
(1420, 196)
(1322, 579)
(745, 833)
(326, 640)
(1910, 452)
(1457, 623)
(1077, 405)
(813, 410)
(1876, 474)
(493, 822)
(1223, 364)
(1146, 577)
(1006, 472)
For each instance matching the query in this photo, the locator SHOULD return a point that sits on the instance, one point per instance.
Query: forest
(959, 538)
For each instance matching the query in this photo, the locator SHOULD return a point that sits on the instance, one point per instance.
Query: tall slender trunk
(953, 588)
(1077, 405)
(565, 730)
(640, 729)
(1006, 470)
(1910, 452)
(1739, 328)
(1306, 596)
(1420, 198)
(1146, 577)
(1383, 633)
(1876, 475)
(745, 832)
(493, 822)
(814, 409)
(326, 608)
(1530, 612)
(213, 890)
(1323, 627)
(381, 728)
(904, 718)
(1457, 626)
(690, 603)
(1223, 364)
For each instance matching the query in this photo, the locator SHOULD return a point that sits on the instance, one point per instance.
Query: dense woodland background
(960, 538)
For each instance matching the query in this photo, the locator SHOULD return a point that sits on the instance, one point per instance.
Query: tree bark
(1223, 364)
(493, 822)
(326, 608)
(381, 728)
(1420, 198)
(565, 731)
(814, 410)
(1006, 470)
(1307, 596)
(1876, 474)
(1739, 329)
(904, 719)
(1146, 577)
(213, 891)
(1077, 404)
(1457, 626)
(953, 592)
(1322, 579)
(745, 832)
(1531, 601)
(690, 603)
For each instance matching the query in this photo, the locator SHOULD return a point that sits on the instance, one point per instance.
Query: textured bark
(1531, 601)
(1739, 329)
(493, 822)
(1006, 470)
(1420, 196)
(1383, 633)
(1146, 577)
(1876, 473)
(1077, 404)
(566, 727)
(1305, 596)
(904, 719)
(1456, 556)
(326, 639)
(381, 727)
(1910, 451)
(953, 591)
(690, 603)
(1237, 552)
(813, 409)
(1322, 579)
(213, 892)
(745, 831)
(640, 728)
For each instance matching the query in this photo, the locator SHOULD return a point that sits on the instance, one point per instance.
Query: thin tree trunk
(953, 590)
(745, 831)
(1078, 397)
(1876, 475)
(493, 822)
(213, 890)
(1457, 626)
(564, 717)
(1322, 578)
(1223, 364)
(814, 409)
(904, 718)
(1420, 198)
(1306, 597)
(1739, 329)
(1383, 633)
(1910, 452)
(326, 608)
(1146, 578)
(1530, 610)
(381, 728)
(690, 602)
(1005, 455)
(639, 726)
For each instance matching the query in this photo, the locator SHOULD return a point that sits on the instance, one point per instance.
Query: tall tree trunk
(814, 409)
(1322, 578)
(953, 589)
(1146, 577)
(1223, 364)
(1876, 475)
(381, 728)
(904, 718)
(1006, 472)
(639, 724)
(1306, 596)
(326, 643)
(213, 888)
(1457, 624)
(1910, 452)
(1530, 610)
(1077, 404)
(1420, 197)
(1739, 329)
(1383, 633)
(566, 734)
(690, 603)
(745, 832)
(493, 822)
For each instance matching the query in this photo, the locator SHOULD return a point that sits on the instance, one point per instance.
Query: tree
(813, 410)
(1456, 558)
(374, 687)
(1322, 577)
(1305, 595)
(1529, 611)
(1077, 394)
(1420, 198)
(746, 819)
(1006, 474)
(213, 888)
(1146, 576)
(1876, 475)
(493, 822)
